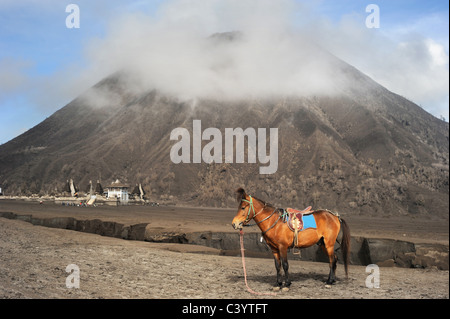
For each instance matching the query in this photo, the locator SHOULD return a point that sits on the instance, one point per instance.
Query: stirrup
(299, 253)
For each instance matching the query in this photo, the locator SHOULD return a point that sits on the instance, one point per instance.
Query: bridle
(252, 208)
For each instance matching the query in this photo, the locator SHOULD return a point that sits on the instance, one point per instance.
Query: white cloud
(173, 52)
(437, 51)
(402, 59)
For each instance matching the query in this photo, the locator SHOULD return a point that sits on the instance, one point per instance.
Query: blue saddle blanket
(309, 221)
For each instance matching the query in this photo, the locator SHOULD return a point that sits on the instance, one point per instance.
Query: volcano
(360, 150)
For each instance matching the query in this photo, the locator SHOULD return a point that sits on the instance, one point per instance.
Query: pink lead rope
(241, 233)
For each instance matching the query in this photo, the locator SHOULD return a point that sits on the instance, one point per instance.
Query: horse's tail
(345, 245)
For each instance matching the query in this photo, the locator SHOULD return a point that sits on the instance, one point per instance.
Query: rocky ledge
(364, 251)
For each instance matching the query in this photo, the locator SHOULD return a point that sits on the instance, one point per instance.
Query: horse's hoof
(276, 288)
(285, 289)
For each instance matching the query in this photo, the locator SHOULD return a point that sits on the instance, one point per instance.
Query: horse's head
(246, 210)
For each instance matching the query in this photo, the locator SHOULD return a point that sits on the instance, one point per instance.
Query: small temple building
(119, 191)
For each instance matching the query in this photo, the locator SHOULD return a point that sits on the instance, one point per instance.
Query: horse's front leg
(276, 257)
(285, 264)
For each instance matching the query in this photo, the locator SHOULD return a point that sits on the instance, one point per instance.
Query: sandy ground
(33, 261)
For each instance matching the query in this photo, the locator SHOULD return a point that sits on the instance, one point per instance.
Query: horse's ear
(240, 194)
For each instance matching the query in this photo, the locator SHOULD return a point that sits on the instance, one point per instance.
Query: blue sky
(44, 65)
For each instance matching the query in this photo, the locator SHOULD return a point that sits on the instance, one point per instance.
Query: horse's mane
(240, 195)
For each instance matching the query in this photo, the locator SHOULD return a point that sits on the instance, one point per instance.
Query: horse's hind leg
(329, 250)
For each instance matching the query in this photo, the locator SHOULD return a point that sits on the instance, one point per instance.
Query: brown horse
(279, 237)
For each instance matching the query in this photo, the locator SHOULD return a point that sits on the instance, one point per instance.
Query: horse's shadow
(271, 278)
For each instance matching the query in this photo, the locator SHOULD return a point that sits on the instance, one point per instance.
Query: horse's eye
(242, 208)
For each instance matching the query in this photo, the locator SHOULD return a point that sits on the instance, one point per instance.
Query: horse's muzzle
(238, 225)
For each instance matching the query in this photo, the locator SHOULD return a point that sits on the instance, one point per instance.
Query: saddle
(295, 222)
(295, 218)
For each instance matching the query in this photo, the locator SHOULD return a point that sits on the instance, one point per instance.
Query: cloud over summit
(277, 53)
(174, 52)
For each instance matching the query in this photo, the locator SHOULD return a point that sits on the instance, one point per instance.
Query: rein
(241, 233)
